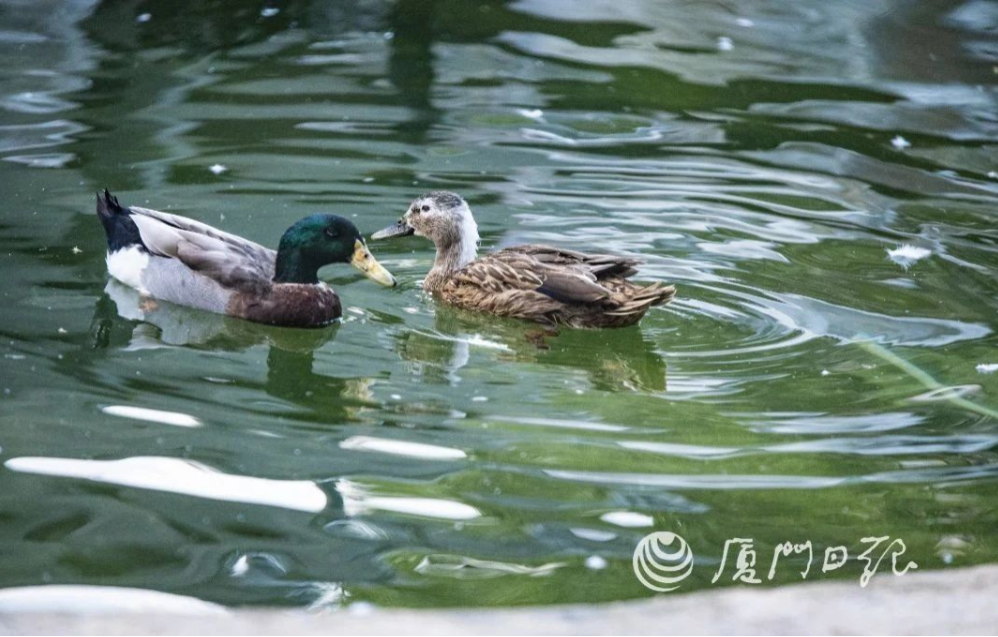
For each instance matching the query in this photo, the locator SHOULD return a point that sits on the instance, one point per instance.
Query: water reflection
(614, 360)
(410, 64)
(164, 324)
(290, 374)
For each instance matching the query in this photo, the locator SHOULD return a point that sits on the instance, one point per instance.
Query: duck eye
(426, 208)
(330, 232)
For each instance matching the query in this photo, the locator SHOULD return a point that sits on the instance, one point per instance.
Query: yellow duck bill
(399, 229)
(364, 261)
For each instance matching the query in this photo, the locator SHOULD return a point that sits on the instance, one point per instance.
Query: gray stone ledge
(957, 601)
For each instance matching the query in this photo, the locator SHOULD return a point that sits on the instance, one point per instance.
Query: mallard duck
(190, 263)
(535, 282)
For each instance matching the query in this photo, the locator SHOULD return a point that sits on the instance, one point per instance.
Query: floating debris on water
(946, 393)
(76, 250)
(906, 255)
(724, 43)
(144, 17)
(900, 143)
(218, 169)
(938, 391)
(269, 12)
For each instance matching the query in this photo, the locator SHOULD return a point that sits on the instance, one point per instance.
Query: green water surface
(764, 156)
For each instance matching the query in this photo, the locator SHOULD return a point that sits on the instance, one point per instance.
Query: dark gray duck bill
(400, 229)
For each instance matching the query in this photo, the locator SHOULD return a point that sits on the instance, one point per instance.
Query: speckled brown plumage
(533, 282)
(549, 285)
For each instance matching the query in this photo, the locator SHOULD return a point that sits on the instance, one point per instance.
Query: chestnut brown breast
(288, 305)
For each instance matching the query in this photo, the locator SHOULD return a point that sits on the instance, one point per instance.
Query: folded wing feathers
(229, 259)
(497, 276)
(600, 265)
(571, 287)
(567, 276)
(195, 227)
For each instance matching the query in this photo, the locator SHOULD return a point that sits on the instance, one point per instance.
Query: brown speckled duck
(190, 263)
(534, 282)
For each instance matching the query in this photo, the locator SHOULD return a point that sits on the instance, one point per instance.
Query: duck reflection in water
(290, 359)
(614, 360)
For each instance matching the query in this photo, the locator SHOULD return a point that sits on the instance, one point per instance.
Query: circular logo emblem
(662, 560)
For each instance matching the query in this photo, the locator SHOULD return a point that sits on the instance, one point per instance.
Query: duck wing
(500, 272)
(232, 261)
(559, 274)
(601, 266)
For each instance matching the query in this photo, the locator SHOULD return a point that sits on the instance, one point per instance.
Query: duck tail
(659, 294)
(639, 299)
(121, 231)
(108, 206)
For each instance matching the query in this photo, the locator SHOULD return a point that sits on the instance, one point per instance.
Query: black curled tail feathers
(107, 205)
(121, 231)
